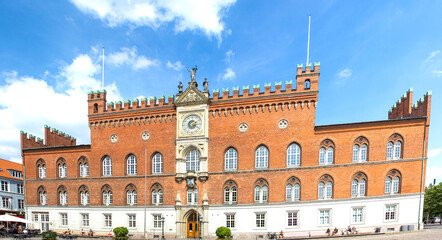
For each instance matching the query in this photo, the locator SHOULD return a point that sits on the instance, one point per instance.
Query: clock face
(192, 124)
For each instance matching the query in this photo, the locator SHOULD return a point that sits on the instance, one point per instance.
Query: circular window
(114, 138)
(283, 124)
(145, 136)
(243, 127)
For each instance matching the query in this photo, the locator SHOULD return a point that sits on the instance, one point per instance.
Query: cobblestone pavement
(430, 232)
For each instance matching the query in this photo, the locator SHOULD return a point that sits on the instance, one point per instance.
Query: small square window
(324, 217)
(292, 219)
(260, 220)
(230, 220)
(391, 212)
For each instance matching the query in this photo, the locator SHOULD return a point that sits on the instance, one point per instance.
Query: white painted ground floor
(247, 221)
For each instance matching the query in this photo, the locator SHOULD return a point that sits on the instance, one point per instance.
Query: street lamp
(162, 226)
(200, 219)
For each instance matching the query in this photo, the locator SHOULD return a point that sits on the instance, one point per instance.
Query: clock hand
(193, 124)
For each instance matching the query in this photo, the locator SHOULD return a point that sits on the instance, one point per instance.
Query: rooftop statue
(192, 73)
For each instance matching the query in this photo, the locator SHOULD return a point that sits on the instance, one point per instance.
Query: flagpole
(308, 39)
(102, 72)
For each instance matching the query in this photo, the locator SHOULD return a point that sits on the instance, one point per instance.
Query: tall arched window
(192, 196)
(325, 187)
(157, 163)
(107, 166)
(61, 168)
(107, 195)
(261, 191)
(131, 195)
(393, 182)
(42, 195)
(193, 160)
(307, 84)
(293, 189)
(326, 152)
(62, 196)
(84, 195)
(360, 150)
(41, 166)
(262, 157)
(394, 146)
(83, 166)
(293, 155)
(358, 185)
(157, 194)
(131, 165)
(230, 192)
(231, 158)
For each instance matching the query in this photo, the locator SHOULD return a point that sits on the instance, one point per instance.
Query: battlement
(306, 81)
(53, 137)
(404, 107)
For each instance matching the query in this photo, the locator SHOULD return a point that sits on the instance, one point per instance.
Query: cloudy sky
(370, 54)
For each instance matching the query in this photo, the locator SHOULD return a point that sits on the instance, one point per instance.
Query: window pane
(388, 185)
(234, 194)
(293, 155)
(288, 192)
(364, 153)
(396, 185)
(226, 195)
(321, 190)
(355, 153)
(362, 187)
(157, 162)
(231, 158)
(296, 190)
(193, 160)
(397, 150)
(262, 157)
(131, 165)
(329, 189)
(354, 188)
(390, 150)
(257, 192)
(329, 155)
(322, 156)
(265, 192)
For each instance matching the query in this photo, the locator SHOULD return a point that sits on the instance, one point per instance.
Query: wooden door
(192, 226)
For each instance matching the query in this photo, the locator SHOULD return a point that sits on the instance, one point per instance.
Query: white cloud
(28, 103)
(229, 56)
(432, 55)
(345, 73)
(175, 66)
(129, 57)
(438, 72)
(432, 173)
(229, 74)
(184, 14)
(434, 152)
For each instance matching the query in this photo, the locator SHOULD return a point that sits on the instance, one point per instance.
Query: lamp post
(162, 227)
(200, 219)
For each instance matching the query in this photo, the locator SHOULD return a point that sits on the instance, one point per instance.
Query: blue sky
(370, 54)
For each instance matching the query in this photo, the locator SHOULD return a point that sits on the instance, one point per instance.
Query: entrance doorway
(193, 230)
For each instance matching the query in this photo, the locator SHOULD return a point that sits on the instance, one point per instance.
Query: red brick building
(253, 161)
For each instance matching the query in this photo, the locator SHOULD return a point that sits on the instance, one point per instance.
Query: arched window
(261, 191)
(107, 195)
(360, 150)
(231, 158)
(157, 163)
(84, 195)
(293, 155)
(107, 166)
(42, 195)
(325, 187)
(230, 192)
(41, 166)
(307, 84)
(326, 152)
(192, 196)
(358, 185)
(61, 168)
(193, 160)
(394, 146)
(293, 189)
(157, 194)
(95, 108)
(83, 166)
(262, 157)
(131, 165)
(393, 182)
(62, 196)
(131, 195)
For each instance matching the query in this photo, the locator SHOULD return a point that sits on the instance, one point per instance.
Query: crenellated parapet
(97, 103)
(53, 137)
(404, 107)
(306, 81)
(116, 122)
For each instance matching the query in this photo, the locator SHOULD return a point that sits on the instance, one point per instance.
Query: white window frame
(84, 169)
(132, 198)
(132, 223)
(230, 218)
(262, 157)
(20, 188)
(264, 219)
(192, 196)
(396, 212)
(362, 208)
(64, 220)
(6, 202)
(297, 219)
(231, 159)
(107, 166)
(5, 186)
(193, 160)
(21, 203)
(84, 219)
(329, 210)
(326, 155)
(157, 163)
(157, 222)
(42, 171)
(131, 162)
(107, 220)
(294, 155)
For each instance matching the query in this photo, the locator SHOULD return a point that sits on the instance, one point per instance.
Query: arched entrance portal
(193, 229)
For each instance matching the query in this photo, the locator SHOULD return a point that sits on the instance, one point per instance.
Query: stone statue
(206, 85)
(180, 88)
(192, 73)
